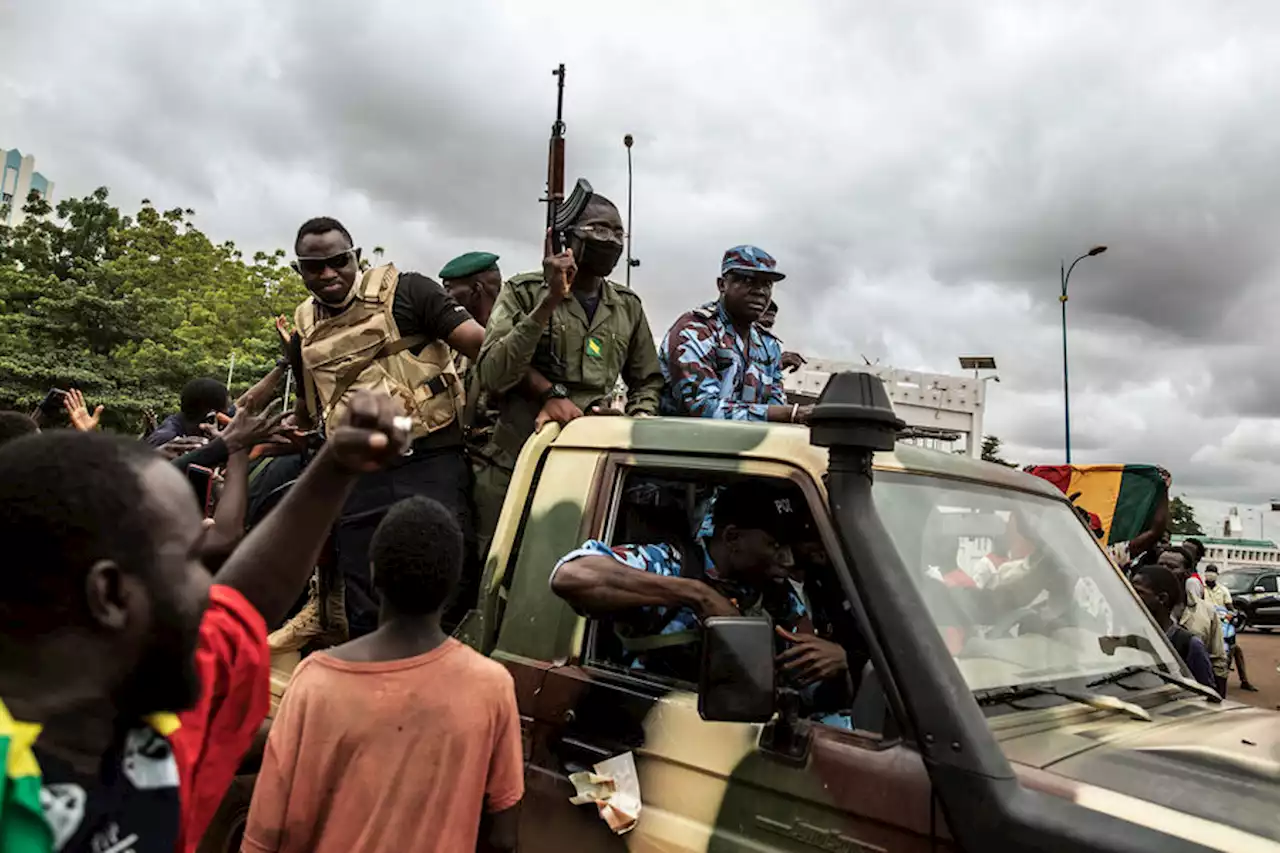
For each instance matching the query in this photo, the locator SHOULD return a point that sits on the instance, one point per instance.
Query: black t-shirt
(131, 806)
(423, 307)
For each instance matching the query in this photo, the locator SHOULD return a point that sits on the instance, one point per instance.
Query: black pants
(441, 474)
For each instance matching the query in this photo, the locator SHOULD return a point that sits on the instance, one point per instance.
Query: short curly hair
(416, 556)
(67, 500)
(15, 425)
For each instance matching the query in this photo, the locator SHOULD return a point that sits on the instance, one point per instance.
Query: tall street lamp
(628, 141)
(1066, 387)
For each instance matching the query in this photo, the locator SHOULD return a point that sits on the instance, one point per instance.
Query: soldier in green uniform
(558, 341)
(474, 281)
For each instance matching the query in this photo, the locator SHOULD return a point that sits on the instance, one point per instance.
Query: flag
(1122, 498)
(22, 825)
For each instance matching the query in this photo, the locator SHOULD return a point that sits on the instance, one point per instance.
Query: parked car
(1255, 590)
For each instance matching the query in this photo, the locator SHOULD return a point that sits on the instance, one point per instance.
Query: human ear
(109, 593)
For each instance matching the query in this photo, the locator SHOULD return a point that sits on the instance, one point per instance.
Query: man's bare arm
(271, 566)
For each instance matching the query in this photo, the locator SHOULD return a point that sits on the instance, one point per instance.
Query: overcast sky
(917, 168)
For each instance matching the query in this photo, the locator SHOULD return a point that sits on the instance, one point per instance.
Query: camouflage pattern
(667, 561)
(751, 259)
(710, 372)
(717, 786)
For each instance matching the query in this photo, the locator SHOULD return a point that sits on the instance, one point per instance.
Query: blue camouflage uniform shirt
(709, 371)
(667, 561)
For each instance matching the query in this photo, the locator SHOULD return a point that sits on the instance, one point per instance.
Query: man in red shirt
(109, 623)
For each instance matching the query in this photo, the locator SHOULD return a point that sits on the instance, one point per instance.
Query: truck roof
(759, 440)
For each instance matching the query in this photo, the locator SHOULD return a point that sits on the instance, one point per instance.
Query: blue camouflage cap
(750, 259)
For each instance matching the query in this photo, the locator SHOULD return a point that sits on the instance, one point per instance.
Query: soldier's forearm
(505, 361)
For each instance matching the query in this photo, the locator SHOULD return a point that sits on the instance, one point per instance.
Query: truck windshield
(1239, 581)
(1014, 583)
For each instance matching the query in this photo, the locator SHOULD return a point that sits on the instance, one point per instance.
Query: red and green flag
(1120, 499)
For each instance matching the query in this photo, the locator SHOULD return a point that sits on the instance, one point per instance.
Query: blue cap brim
(773, 274)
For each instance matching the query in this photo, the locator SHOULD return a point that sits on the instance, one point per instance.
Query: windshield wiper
(1168, 677)
(1000, 695)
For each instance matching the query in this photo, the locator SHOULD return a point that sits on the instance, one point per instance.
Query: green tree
(991, 451)
(1182, 518)
(129, 308)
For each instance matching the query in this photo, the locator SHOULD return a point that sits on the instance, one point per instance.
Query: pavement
(1261, 657)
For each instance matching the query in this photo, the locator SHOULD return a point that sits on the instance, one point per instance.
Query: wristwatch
(556, 392)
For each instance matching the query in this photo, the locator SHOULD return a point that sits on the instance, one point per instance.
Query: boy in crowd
(403, 739)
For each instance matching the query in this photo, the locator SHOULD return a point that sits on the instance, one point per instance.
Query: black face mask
(597, 257)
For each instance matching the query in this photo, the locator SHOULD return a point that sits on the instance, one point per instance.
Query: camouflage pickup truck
(1012, 692)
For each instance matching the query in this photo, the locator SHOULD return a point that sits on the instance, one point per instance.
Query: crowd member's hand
(602, 410)
(558, 271)
(181, 445)
(285, 333)
(248, 428)
(811, 659)
(374, 432)
(73, 402)
(558, 410)
(713, 603)
(149, 422)
(793, 361)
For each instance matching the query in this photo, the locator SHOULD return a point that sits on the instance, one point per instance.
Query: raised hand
(73, 402)
(248, 428)
(558, 271)
(374, 432)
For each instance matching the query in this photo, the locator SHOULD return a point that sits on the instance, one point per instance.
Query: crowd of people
(1194, 610)
(140, 633)
(140, 651)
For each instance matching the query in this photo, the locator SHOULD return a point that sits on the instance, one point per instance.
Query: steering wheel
(1006, 623)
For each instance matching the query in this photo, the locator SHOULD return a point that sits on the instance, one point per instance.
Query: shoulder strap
(375, 282)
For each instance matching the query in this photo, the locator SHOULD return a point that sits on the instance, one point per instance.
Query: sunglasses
(315, 266)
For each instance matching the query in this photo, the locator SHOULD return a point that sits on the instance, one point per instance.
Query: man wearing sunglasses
(393, 332)
(718, 361)
(558, 341)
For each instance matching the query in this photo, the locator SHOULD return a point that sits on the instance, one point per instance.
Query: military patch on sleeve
(595, 349)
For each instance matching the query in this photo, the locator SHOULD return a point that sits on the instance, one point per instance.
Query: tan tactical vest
(361, 349)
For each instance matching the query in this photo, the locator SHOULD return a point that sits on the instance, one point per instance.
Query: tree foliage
(1182, 518)
(129, 308)
(991, 451)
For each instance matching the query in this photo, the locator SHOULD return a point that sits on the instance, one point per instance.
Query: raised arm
(514, 330)
(272, 564)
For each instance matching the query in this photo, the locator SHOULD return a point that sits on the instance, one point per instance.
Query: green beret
(468, 264)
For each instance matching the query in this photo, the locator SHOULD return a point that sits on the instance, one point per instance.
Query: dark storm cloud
(918, 169)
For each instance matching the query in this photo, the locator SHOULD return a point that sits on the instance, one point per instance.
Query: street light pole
(627, 141)
(1065, 272)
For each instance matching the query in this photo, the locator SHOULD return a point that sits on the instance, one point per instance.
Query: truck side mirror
(737, 680)
(1259, 589)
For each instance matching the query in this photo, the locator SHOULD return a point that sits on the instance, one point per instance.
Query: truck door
(714, 786)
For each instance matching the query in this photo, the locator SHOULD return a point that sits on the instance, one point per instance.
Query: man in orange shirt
(403, 739)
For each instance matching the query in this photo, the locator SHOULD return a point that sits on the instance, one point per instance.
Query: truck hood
(1220, 764)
